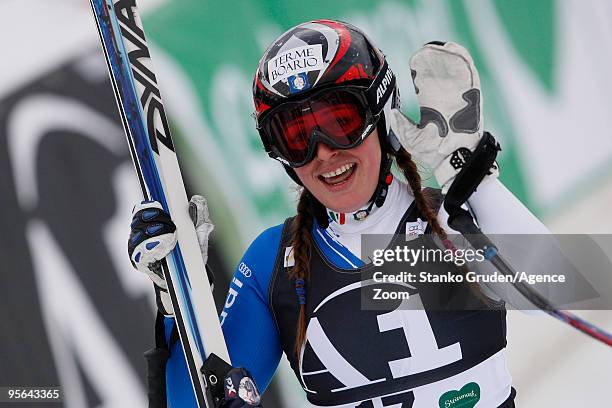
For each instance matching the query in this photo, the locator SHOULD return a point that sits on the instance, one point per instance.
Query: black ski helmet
(323, 54)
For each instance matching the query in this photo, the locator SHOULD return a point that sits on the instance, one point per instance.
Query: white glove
(153, 237)
(448, 90)
(198, 211)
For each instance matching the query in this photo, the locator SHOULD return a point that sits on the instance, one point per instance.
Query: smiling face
(343, 180)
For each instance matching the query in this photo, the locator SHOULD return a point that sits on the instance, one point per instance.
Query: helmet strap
(385, 177)
(319, 211)
(292, 174)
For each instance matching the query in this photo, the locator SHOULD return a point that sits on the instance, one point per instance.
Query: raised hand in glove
(448, 90)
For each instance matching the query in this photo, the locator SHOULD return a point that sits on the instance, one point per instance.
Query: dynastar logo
(382, 88)
(139, 57)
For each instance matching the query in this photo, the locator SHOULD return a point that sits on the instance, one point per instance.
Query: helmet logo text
(294, 61)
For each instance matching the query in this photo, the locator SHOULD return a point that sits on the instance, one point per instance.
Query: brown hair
(301, 242)
(301, 239)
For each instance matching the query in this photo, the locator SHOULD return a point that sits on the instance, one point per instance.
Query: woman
(327, 109)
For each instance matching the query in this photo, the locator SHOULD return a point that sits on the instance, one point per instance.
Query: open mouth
(339, 175)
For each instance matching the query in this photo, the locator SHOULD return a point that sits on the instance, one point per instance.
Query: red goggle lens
(339, 116)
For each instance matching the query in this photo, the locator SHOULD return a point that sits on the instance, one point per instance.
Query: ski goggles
(341, 117)
(338, 117)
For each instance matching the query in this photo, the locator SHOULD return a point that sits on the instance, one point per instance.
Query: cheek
(371, 167)
(370, 178)
(304, 173)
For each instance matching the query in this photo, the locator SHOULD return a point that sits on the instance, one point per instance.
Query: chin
(348, 206)
(348, 197)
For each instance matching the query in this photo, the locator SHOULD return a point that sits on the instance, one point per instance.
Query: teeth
(339, 170)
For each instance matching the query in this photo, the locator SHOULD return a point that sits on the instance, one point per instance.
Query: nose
(325, 152)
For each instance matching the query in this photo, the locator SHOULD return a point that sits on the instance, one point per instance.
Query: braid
(423, 203)
(301, 242)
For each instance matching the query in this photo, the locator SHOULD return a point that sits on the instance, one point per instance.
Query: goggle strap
(381, 89)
